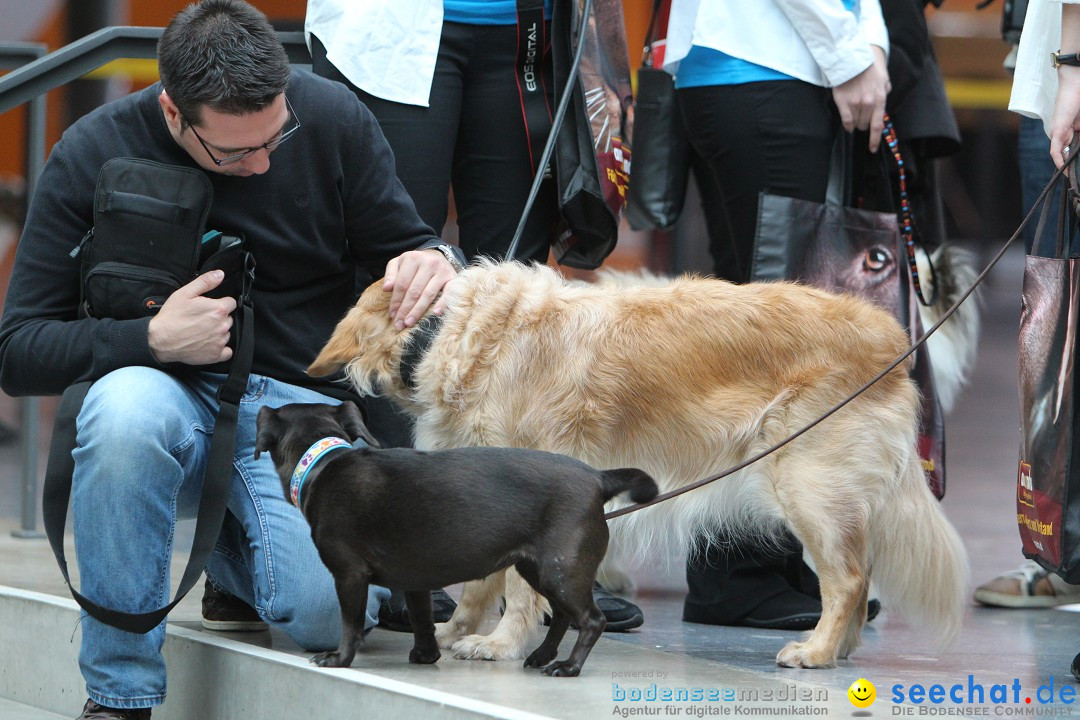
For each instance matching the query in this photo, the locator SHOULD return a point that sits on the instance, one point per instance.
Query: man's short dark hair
(224, 55)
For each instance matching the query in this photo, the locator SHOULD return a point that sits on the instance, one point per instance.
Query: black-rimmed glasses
(229, 160)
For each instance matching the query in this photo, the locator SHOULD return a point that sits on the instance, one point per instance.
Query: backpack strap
(215, 493)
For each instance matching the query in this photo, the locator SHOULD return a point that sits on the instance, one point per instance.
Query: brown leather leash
(918, 343)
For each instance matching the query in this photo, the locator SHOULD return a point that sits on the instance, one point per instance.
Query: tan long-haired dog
(683, 378)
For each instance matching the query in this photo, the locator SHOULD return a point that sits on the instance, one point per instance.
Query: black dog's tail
(641, 486)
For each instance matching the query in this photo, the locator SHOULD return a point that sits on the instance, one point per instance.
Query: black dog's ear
(350, 418)
(268, 430)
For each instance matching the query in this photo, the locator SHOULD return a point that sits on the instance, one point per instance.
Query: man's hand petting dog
(471, 512)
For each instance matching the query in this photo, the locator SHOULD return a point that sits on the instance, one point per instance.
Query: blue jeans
(142, 440)
(1036, 169)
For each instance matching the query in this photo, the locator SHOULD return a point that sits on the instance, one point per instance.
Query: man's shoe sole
(805, 621)
(800, 621)
(623, 625)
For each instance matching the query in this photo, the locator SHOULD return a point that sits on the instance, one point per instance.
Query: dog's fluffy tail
(953, 346)
(640, 484)
(919, 562)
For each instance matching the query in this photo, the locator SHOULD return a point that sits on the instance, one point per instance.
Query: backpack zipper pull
(82, 243)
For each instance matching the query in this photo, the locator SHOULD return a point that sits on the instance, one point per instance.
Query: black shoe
(621, 615)
(93, 711)
(394, 614)
(227, 613)
(789, 610)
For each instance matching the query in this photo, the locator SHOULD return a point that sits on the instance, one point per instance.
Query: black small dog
(424, 520)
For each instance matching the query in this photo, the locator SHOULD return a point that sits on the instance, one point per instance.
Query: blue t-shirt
(485, 12)
(705, 66)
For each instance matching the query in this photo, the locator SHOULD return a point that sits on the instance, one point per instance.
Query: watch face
(1059, 59)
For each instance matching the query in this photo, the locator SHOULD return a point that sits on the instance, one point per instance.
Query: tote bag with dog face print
(844, 249)
(1048, 476)
(840, 248)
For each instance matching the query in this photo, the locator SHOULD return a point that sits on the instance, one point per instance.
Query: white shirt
(1035, 83)
(387, 48)
(817, 41)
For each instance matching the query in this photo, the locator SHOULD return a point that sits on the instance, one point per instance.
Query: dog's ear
(348, 414)
(268, 430)
(339, 349)
(368, 318)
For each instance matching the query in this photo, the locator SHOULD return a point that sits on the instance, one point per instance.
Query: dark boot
(739, 583)
(93, 711)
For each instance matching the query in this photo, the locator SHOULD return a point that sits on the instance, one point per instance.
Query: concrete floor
(996, 647)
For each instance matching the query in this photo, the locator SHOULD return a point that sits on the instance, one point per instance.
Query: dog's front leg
(476, 597)
(425, 650)
(524, 610)
(352, 592)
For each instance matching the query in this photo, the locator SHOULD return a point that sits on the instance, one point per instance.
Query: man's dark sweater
(330, 203)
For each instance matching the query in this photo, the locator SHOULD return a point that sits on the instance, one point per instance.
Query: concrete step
(264, 675)
(10, 710)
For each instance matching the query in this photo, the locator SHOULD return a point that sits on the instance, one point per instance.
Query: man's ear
(172, 113)
(268, 430)
(348, 414)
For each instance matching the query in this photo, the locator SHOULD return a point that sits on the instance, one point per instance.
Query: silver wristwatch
(451, 257)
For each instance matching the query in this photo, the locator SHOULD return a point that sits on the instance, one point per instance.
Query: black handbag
(148, 240)
(841, 248)
(1048, 477)
(591, 161)
(661, 148)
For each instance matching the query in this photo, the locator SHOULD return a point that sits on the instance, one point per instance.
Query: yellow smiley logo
(862, 693)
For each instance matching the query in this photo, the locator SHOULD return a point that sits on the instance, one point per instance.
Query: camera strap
(127, 224)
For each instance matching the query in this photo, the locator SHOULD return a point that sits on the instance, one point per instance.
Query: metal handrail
(35, 74)
(99, 48)
(16, 54)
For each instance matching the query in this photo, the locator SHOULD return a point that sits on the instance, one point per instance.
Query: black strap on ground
(215, 492)
(915, 346)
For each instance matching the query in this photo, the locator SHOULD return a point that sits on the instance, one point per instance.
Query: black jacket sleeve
(381, 219)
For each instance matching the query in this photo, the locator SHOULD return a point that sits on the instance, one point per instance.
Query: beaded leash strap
(907, 227)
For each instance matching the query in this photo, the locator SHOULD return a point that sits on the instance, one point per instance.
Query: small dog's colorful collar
(314, 453)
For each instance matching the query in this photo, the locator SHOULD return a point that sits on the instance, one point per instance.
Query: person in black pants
(463, 141)
(761, 117)
(737, 582)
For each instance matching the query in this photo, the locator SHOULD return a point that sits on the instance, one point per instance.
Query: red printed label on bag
(615, 168)
(930, 455)
(1039, 517)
